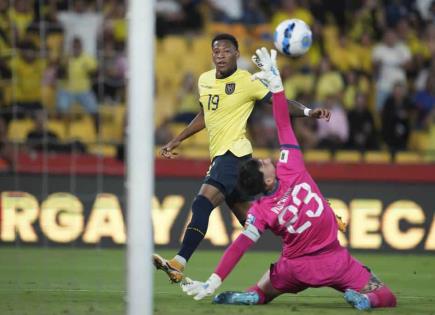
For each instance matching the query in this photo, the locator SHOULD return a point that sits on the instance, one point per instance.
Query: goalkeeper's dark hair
(251, 179)
(226, 36)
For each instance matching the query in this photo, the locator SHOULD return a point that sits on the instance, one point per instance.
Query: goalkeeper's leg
(261, 293)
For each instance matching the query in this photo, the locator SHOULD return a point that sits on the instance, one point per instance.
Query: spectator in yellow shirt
(21, 16)
(27, 71)
(330, 81)
(76, 86)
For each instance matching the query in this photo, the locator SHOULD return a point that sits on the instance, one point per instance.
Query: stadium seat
(83, 130)
(419, 140)
(408, 158)
(196, 153)
(105, 150)
(201, 44)
(176, 128)
(317, 156)
(430, 153)
(164, 105)
(111, 123)
(197, 64)
(262, 153)
(174, 45)
(348, 156)
(58, 127)
(18, 129)
(48, 95)
(200, 139)
(377, 157)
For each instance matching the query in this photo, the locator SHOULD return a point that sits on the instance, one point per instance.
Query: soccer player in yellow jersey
(227, 96)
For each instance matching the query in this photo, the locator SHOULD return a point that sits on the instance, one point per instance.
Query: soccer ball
(293, 37)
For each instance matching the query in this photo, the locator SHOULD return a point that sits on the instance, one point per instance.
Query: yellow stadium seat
(105, 150)
(262, 153)
(408, 158)
(430, 153)
(201, 44)
(196, 153)
(429, 156)
(197, 64)
(419, 140)
(348, 156)
(377, 157)
(83, 130)
(174, 45)
(176, 129)
(58, 127)
(18, 130)
(111, 123)
(200, 139)
(48, 95)
(317, 156)
(165, 107)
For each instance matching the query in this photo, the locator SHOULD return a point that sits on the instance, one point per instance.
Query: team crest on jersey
(283, 157)
(229, 88)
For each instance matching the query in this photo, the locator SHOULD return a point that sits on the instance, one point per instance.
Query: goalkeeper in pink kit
(292, 207)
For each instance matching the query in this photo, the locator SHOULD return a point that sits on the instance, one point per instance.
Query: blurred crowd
(60, 61)
(371, 64)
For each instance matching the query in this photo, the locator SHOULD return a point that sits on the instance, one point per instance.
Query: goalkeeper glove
(202, 289)
(269, 74)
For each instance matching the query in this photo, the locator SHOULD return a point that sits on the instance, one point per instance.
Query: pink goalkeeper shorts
(335, 268)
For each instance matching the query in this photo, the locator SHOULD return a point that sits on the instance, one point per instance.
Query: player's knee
(201, 205)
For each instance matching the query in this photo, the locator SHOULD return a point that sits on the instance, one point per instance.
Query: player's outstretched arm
(300, 110)
(197, 124)
(271, 77)
(229, 260)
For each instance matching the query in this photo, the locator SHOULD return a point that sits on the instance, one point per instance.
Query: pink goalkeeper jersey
(296, 211)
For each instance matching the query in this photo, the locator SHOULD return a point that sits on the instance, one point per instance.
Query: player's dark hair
(228, 37)
(251, 179)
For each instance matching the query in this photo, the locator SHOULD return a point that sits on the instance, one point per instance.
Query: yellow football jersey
(227, 104)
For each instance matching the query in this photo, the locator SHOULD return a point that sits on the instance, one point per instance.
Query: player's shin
(201, 210)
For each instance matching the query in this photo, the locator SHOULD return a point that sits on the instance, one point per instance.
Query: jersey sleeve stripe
(251, 232)
(290, 146)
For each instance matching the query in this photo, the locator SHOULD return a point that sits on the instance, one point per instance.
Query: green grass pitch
(91, 281)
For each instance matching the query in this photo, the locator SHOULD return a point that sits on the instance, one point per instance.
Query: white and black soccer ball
(293, 37)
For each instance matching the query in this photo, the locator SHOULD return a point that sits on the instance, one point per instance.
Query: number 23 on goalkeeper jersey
(227, 104)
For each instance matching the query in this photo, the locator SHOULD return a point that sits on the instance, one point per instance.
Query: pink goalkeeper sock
(260, 293)
(382, 297)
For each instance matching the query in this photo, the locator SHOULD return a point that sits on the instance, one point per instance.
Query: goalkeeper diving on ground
(293, 208)
(227, 96)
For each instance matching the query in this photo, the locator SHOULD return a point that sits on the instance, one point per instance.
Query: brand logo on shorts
(229, 88)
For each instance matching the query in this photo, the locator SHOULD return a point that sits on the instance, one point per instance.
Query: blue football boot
(236, 298)
(357, 300)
